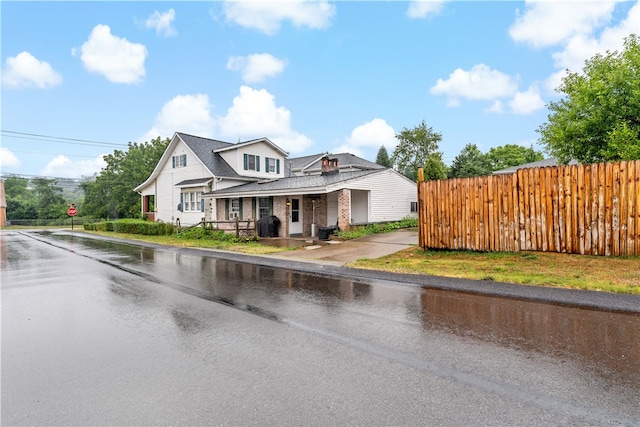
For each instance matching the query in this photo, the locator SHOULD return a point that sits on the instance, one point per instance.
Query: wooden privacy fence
(584, 209)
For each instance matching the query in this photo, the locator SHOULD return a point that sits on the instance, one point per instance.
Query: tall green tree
(599, 117)
(111, 194)
(470, 162)
(50, 203)
(21, 201)
(383, 158)
(508, 155)
(417, 146)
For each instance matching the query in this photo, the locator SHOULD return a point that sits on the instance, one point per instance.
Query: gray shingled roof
(203, 148)
(345, 160)
(539, 164)
(294, 183)
(196, 181)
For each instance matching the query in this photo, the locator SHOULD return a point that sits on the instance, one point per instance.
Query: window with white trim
(264, 206)
(234, 208)
(270, 165)
(179, 161)
(251, 162)
(191, 201)
(414, 206)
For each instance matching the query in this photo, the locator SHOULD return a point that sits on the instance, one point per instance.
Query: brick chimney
(329, 166)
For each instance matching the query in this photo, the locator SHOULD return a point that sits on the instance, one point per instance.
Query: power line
(58, 139)
(55, 154)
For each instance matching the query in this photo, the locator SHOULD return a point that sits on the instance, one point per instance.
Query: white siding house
(200, 178)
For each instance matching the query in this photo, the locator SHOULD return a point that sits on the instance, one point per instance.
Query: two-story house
(200, 178)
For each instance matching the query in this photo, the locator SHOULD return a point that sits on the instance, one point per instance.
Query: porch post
(344, 209)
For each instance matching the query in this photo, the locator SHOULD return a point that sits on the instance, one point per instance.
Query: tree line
(597, 120)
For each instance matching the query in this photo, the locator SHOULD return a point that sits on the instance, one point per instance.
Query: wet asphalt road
(96, 332)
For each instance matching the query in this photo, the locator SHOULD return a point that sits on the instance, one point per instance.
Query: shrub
(365, 230)
(133, 226)
(201, 233)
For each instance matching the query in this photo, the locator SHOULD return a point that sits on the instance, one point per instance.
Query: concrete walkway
(343, 252)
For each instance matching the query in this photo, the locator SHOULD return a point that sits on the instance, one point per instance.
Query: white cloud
(119, 60)
(371, 135)
(547, 23)
(481, 82)
(526, 102)
(257, 67)
(8, 159)
(582, 47)
(267, 16)
(497, 107)
(184, 113)
(579, 29)
(63, 167)
(254, 114)
(162, 23)
(424, 8)
(25, 70)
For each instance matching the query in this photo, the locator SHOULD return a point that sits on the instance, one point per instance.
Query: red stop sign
(72, 211)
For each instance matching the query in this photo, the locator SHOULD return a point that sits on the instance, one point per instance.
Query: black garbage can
(324, 232)
(268, 226)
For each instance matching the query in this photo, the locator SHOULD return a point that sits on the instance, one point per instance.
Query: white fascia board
(283, 192)
(163, 159)
(253, 141)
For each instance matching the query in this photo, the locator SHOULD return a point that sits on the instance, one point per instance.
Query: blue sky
(81, 79)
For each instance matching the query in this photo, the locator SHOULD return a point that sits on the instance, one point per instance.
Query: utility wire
(59, 139)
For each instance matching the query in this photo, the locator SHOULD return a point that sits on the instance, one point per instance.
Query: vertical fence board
(637, 208)
(587, 209)
(608, 200)
(579, 215)
(623, 210)
(595, 185)
(631, 221)
(513, 212)
(548, 202)
(615, 210)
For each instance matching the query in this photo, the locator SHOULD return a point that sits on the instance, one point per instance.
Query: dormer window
(251, 162)
(272, 165)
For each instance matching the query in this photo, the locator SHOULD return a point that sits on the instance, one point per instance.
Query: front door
(295, 217)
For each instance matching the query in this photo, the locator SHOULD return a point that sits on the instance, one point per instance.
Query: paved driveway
(344, 252)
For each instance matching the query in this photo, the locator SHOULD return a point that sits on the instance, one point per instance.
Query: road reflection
(606, 343)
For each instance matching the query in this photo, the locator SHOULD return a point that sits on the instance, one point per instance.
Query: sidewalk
(343, 252)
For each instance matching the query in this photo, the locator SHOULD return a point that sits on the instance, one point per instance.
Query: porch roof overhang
(194, 182)
(309, 184)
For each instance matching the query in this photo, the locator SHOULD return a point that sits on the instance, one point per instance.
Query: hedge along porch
(583, 209)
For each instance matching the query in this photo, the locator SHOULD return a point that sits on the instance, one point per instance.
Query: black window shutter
(246, 161)
(184, 160)
(257, 163)
(278, 166)
(240, 203)
(266, 164)
(226, 208)
(173, 162)
(253, 207)
(181, 206)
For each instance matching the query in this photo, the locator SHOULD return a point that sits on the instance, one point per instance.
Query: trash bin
(268, 226)
(324, 232)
